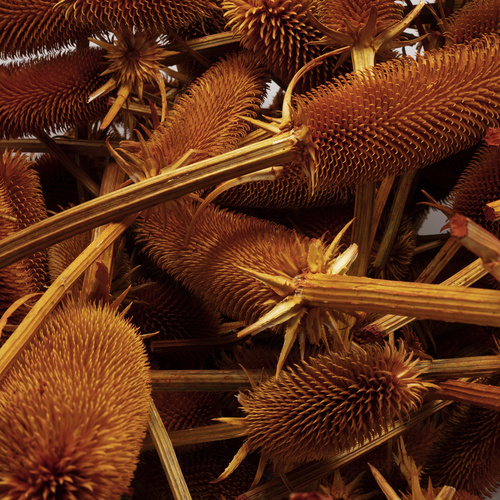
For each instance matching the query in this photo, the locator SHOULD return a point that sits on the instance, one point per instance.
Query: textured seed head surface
(207, 118)
(74, 408)
(476, 18)
(50, 94)
(146, 15)
(26, 26)
(479, 185)
(278, 32)
(331, 403)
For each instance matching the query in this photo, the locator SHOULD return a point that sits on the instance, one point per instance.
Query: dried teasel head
(328, 405)
(474, 19)
(280, 34)
(247, 269)
(26, 26)
(146, 15)
(50, 94)
(134, 59)
(74, 408)
(479, 185)
(205, 121)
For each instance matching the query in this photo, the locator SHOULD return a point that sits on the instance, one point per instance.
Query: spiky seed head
(26, 26)
(50, 94)
(403, 114)
(330, 403)
(205, 121)
(74, 408)
(479, 185)
(474, 19)
(280, 34)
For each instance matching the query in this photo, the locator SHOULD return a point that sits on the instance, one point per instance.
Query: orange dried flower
(282, 37)
(328, 405)
(26, 26)
(50, 94)
(74, 408)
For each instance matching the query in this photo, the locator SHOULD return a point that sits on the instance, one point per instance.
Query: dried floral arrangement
(207, 296)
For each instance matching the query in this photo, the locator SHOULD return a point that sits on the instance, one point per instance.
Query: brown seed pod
(205, 121)
(328, 405)
(476, 18)
(50, 94)
(26, 26)
(146, 15)
(479, 185)
(74, 408)
(399, 116)
(231, 262)
(281, 35)
(466, 455)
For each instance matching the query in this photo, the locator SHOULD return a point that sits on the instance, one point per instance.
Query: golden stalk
(492, 210)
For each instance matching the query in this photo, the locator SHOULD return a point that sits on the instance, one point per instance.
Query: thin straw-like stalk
(383, 192)
(306, 474)
(167, 455)
(492, 210)
(69, 146)
(147, 193)
(421, 300)
(49, 300)
(202, 344)
(485, 396)
(437, 264)
(362, 227)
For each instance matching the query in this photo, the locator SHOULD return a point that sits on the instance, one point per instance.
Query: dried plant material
(134, 60)
(485, 396)
(280, 34)
(28, 25)
(466, 455)
(476, 239)
(50, 94)
(476, 18)
(145, 15)
(492, 211)
(492, 137)
(478, 185)
(206, 121)
(328, 405)
(245, 268)
(74, 421)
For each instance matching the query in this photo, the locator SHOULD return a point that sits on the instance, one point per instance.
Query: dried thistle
(205, 121)
(26, 26)
(50, 94)
(280, 34)
(74, 408)
(328, 405)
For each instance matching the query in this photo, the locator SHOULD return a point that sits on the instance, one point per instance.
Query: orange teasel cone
(205, 121)
(479, 185)
(74, 408)
(26, 26)
(281, 35)
(50, 94)
(145, 15)
(328, 405)
(476, 18)
(245, 268)
(401, 115)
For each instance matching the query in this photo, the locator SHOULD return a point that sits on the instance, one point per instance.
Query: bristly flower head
(134, 59)
(50, 94)
(328, 405)
(74, 408)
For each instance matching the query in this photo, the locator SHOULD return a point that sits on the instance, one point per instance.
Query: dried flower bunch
(176, 162)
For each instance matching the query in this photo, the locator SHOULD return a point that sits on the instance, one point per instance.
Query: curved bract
(74, 408)
(50, 94)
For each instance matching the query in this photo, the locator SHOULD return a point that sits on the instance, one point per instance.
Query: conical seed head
(50, 94)
(74, 408)
(26, 26)
(331, 403)
(479, 185)
(280, 34)
(476, 18)
(403, 114)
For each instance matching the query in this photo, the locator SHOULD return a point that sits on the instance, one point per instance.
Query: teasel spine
(75, 421)
(26, 26)
(50, 94)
